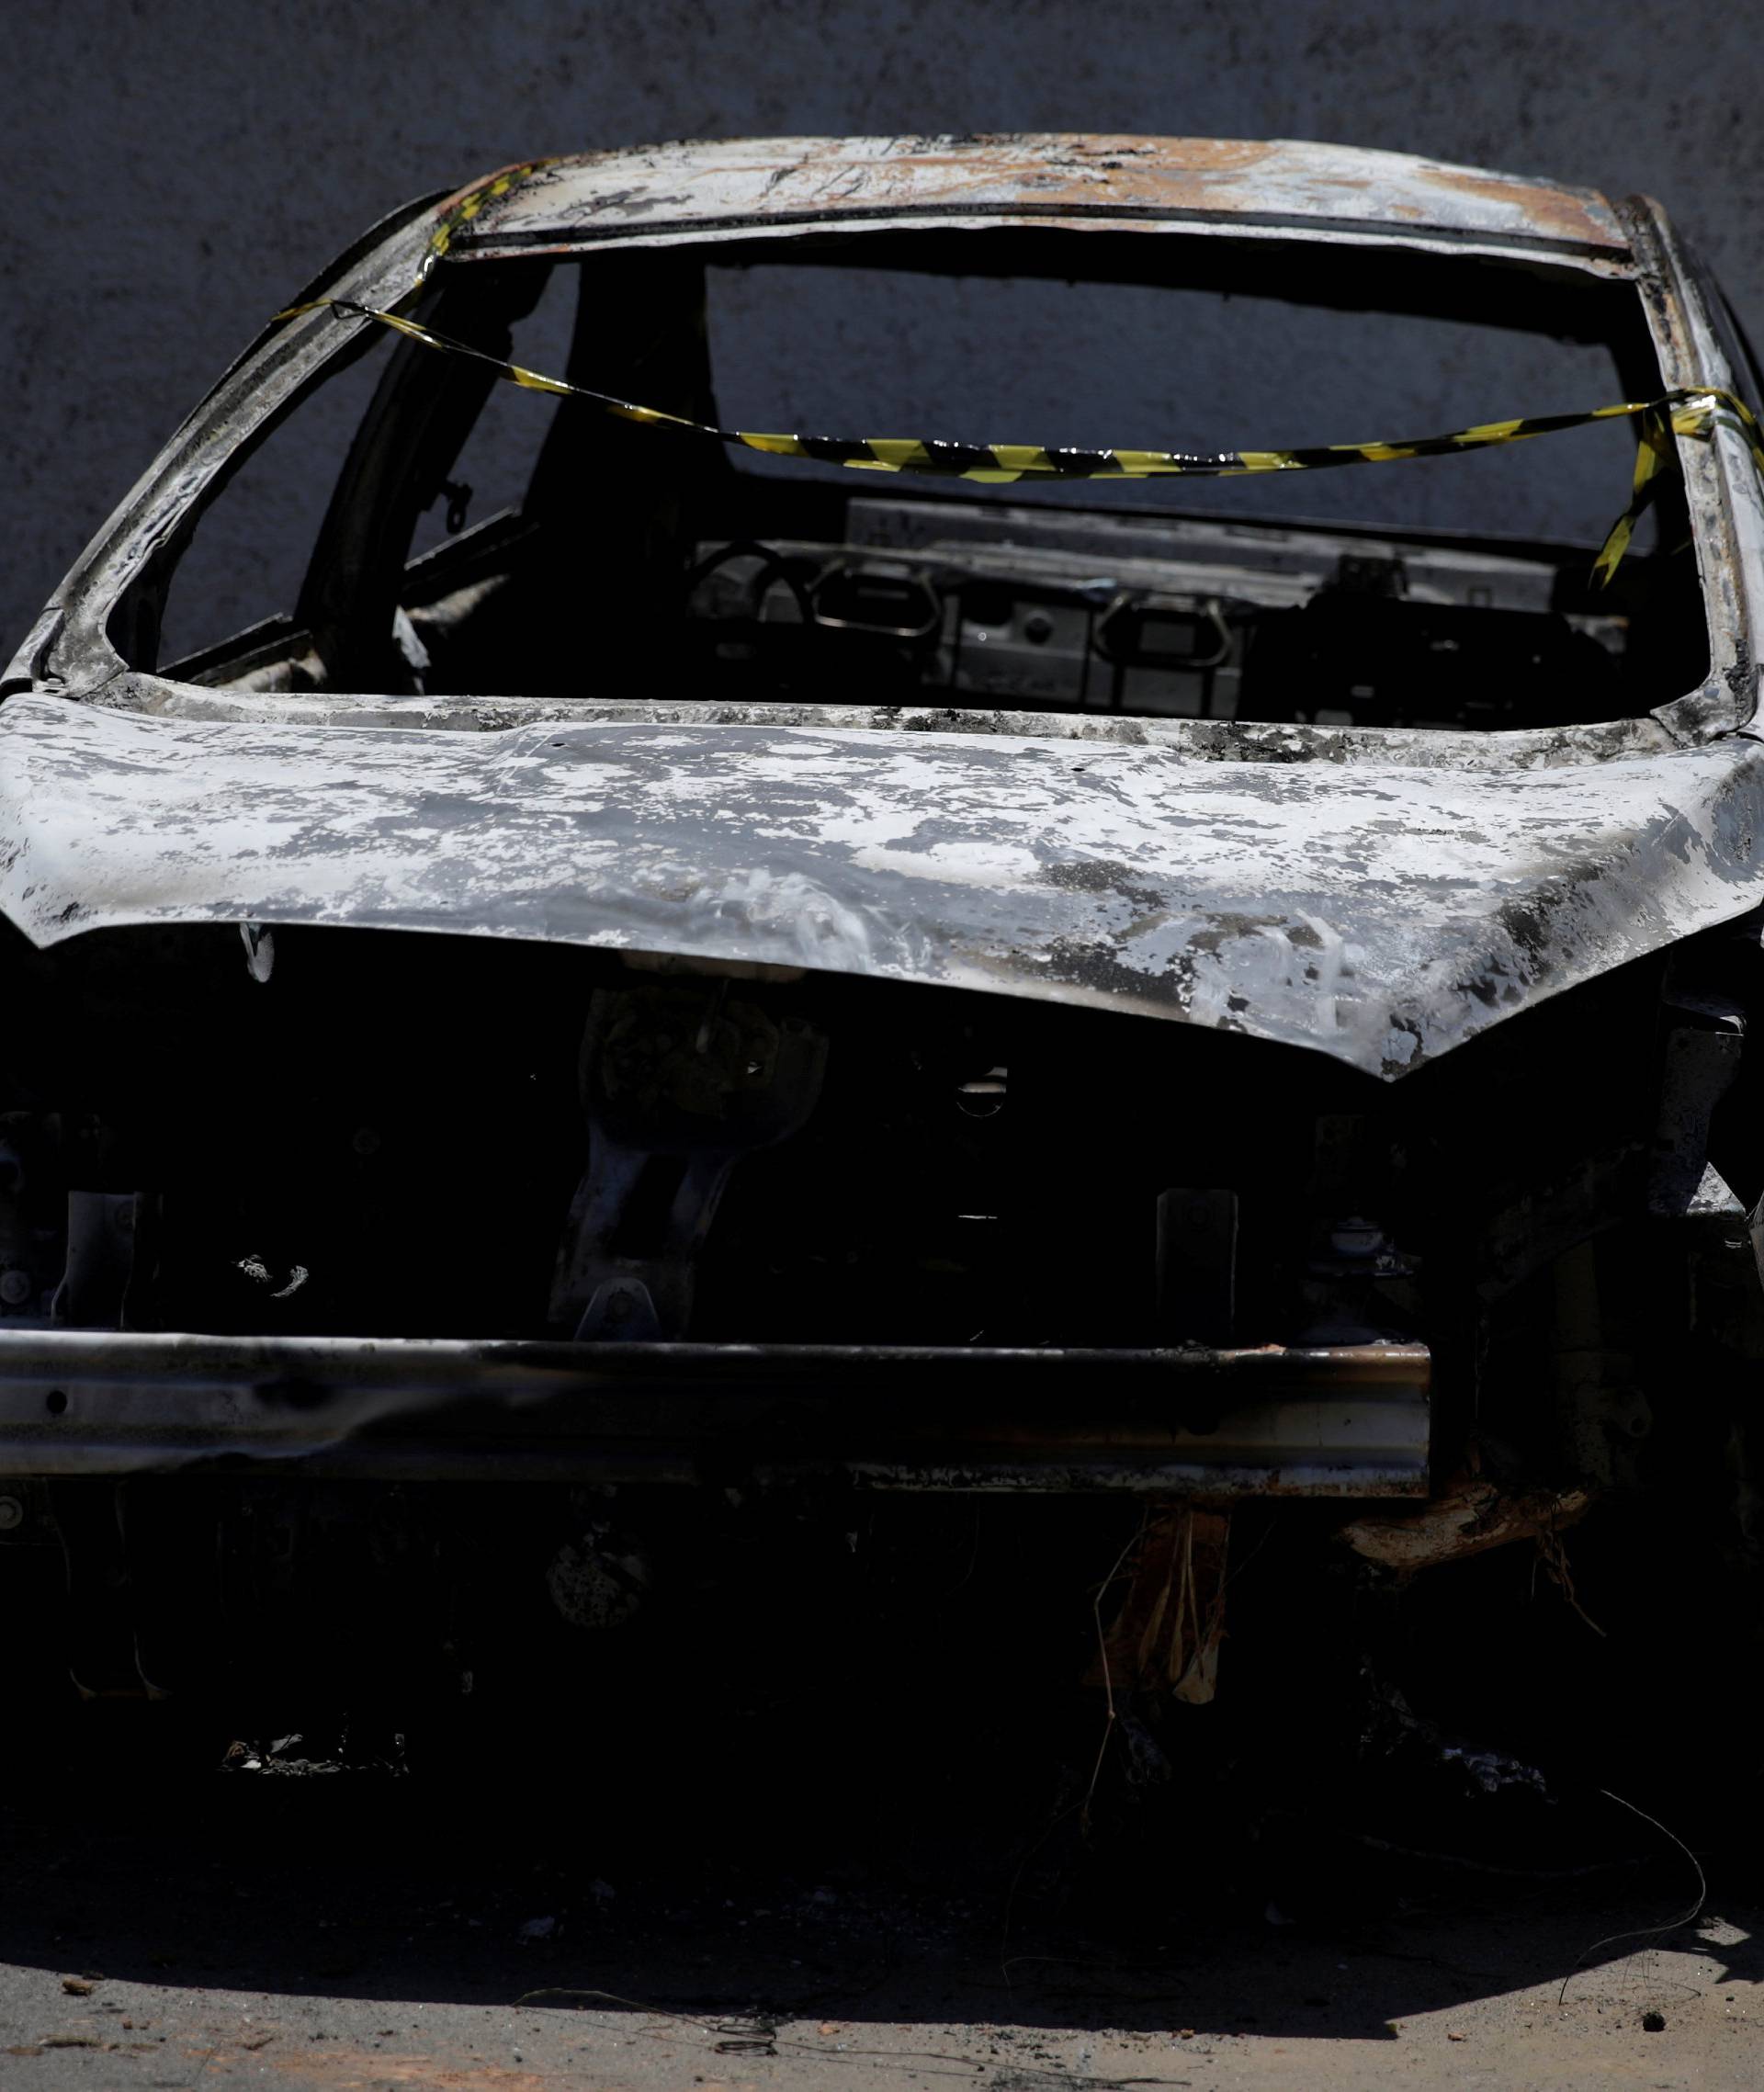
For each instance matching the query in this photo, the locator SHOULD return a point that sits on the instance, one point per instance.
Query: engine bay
(520, 1142)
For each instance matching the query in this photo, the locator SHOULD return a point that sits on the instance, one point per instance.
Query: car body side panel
(1381, 915)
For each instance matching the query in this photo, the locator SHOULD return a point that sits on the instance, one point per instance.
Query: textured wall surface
(174, 170)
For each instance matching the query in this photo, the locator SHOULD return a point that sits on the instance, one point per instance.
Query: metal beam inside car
(1350, 1421)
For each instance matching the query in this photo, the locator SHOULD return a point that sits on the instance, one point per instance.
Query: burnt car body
(762, 979)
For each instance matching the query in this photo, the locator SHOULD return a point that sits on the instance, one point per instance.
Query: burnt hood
(1379, 913)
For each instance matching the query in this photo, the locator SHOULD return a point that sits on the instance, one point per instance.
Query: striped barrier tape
(1686, 411)
(468, 206)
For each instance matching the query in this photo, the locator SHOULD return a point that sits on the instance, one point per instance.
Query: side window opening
(400, 465)
(292, 570)
(232, 589)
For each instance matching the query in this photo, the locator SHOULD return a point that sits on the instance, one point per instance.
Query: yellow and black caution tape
(468, 206)
(1688, 410)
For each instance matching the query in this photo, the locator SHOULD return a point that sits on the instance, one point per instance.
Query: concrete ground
(344, 1932)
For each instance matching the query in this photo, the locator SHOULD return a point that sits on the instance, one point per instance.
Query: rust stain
(1558, 214)
(750, 180)
(1122, 156)
(1469, 1517)
(1163, 174)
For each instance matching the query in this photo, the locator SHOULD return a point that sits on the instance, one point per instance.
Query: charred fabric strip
(1689, 410)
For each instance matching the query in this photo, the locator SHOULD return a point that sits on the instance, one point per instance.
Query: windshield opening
(481, 539)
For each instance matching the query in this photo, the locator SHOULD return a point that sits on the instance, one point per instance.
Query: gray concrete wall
(174, 170)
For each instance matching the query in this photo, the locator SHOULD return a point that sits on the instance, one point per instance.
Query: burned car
(674, 963)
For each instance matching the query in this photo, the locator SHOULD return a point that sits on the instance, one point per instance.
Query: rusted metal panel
(1380, 913)
(724, 188)
(1352, 1421)
(1469, 1517)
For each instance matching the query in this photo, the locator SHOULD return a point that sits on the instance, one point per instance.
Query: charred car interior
(702, 978)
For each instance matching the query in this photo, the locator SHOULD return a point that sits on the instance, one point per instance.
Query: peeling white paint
(1378, 914)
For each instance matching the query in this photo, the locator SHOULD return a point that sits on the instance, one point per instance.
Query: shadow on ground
(900, 1819)
(760, 1870)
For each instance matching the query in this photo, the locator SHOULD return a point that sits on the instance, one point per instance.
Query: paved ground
(341, 1932)
(803, 1834)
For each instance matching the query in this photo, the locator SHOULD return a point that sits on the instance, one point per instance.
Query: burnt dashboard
(1156, 617)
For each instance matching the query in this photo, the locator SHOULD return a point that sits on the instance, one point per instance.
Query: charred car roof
(729, 189)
